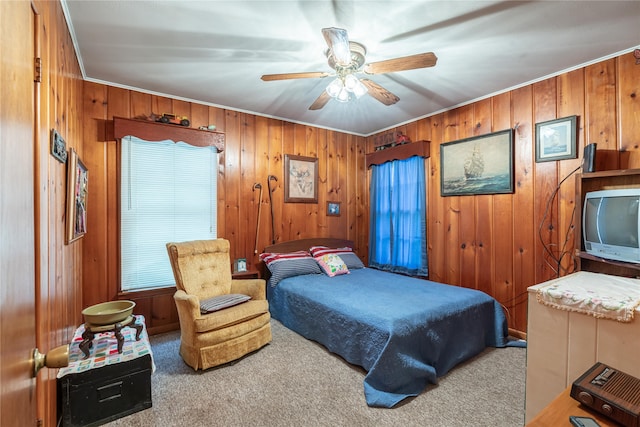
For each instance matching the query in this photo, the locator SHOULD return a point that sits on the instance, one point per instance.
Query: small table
(556, 413)
(90, 330)
(251, 274)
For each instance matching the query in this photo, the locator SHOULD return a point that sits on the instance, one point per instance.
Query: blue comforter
(404, 332)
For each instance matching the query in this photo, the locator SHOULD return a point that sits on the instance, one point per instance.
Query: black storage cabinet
(100, 395)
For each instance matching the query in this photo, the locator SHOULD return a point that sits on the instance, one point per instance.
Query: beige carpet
(296, 382)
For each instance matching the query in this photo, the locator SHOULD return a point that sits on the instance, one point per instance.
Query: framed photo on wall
(77, 191)
(333, 208)
(477, 165)
(556, 139)
(300, 179)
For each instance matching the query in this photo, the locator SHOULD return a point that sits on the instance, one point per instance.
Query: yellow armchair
(202, 270)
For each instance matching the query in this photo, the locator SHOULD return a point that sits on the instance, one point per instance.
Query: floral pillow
(332, 265)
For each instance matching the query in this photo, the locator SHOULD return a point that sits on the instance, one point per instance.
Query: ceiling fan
(347, 58)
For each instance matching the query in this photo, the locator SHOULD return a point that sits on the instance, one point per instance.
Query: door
(17, 235)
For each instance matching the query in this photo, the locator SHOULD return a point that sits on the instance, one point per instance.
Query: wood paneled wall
(57, 104)
(254, 149)
(502, 244)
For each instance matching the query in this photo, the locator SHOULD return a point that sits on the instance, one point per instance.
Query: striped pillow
(289, 264)
(210, 305)
(348, 256)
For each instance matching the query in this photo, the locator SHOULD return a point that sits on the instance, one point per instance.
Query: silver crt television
(610, 224)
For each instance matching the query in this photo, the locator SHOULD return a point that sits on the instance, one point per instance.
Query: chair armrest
(255, 288)
(187, 304)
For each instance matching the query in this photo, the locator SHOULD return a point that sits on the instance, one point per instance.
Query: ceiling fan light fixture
(335, 87)
(343, 96)
(350, 82)
(359, 89)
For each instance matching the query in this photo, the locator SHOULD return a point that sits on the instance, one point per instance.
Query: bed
(405, 332)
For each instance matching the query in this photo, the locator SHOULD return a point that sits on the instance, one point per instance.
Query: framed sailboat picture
(477, 165)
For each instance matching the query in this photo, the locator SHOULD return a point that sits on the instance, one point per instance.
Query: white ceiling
(214, 52)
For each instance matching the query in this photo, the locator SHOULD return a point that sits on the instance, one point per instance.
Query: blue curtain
(398, 224)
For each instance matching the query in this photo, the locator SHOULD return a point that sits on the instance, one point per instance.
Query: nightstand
(558, 411)
(251, 274)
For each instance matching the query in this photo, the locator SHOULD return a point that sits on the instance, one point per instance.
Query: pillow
(210, 305)
(332, 264)
(289, 264)
(346, 253)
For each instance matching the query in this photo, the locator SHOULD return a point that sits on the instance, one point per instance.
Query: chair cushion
(231, 316)
(210, 305)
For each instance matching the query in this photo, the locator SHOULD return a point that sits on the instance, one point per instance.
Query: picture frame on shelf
(77, 192)
(240, 265)
(556, 139)
(300, 179)
(477, 165)
(333, 208)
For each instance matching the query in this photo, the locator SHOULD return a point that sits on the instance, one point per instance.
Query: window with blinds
(167, 194)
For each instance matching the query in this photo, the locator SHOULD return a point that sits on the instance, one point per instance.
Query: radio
(610, 392)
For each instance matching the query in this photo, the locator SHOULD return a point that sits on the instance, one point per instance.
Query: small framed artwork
(241, 265)
(556, 139)
(333, 208)
(77, 191)
(300, 179)
(58, 147)
(477, 165)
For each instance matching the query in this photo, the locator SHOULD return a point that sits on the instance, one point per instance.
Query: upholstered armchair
(202, 270)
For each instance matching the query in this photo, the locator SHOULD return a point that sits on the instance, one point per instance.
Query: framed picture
(478, 165)
(241, 265)
(58, 147)
(77, 190)
(556, 139)
(333, 208)
(300, 179)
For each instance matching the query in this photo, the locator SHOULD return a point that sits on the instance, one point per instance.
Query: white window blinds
(167, 194)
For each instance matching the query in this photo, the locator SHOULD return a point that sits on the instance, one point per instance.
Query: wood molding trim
(154, 131)
(399, 152)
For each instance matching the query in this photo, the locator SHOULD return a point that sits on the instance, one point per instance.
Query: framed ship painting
(478, 165)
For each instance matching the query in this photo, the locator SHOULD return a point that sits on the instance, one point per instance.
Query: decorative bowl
(108, 313)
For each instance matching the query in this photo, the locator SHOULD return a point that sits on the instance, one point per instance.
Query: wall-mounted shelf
(399, 152)
(155, 131)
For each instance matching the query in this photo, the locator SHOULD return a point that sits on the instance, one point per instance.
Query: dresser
(562, 345)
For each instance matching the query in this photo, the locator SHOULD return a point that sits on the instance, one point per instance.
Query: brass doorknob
(56, 358)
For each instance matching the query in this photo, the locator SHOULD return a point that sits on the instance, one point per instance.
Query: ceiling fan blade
(290, 76)
(380, 93)
(421, 60)
(338, 42)
(321, 101)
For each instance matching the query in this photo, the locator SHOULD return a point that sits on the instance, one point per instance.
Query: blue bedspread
(404, 332)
